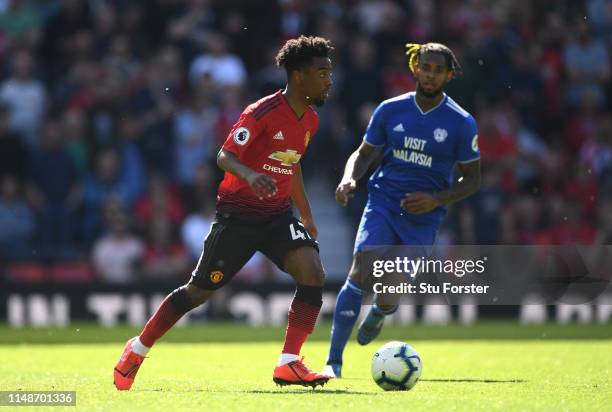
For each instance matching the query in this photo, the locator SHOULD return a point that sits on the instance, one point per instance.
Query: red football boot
(127, 367)
(296, 373)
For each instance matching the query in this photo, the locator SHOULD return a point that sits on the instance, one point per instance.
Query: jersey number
(297, 233)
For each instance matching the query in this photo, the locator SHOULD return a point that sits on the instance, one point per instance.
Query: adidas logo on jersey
(279, 136)
(399, 128)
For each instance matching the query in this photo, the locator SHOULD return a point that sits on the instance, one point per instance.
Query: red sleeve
(243, 133)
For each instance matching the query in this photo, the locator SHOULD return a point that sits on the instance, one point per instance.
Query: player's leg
(348, 306)
(304, 265)
(373, 232)
(170, 311)
(418, 240)
(226, 250)
(292, 249)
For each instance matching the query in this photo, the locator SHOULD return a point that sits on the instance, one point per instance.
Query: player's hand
(419, 202)
(262, 184)
(310, 226)
(344, 191)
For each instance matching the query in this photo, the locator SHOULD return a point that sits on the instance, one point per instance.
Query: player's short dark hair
(298, 53)
(414, 51)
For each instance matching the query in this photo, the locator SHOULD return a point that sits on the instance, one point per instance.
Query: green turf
(460, 374)
(226, 332)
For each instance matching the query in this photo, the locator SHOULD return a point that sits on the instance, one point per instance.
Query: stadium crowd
(112, 112)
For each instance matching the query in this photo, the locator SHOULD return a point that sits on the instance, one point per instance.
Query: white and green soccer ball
(396, 366)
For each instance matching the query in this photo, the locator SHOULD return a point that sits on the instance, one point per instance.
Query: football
(396, 366)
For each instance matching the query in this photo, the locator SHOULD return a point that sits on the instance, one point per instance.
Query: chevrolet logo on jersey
(287, 158)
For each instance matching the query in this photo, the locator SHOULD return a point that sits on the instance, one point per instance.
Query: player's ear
(298, 76)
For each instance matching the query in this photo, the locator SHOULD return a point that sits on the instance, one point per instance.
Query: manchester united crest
(216, 276)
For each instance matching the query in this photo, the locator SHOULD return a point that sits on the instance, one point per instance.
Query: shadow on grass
(462, 380)
(304, 391)
(311, 391)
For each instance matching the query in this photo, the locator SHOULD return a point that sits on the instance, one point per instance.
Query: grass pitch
(526, 368)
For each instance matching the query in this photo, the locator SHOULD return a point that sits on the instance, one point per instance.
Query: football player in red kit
(263, 178)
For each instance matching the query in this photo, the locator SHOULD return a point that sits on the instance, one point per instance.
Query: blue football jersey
(420, 150)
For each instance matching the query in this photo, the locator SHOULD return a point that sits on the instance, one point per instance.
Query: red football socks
(162, 320)
(302, 319)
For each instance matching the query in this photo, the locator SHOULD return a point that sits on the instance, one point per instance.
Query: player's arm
(300, 200)
(262, 184)
(468, 184)
(356, 166)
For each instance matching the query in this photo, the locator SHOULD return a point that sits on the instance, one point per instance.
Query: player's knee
(355, 277)
(314, 277)
(355, 274)
(195, 295)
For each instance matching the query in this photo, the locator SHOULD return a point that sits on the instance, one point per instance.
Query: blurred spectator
(596, 152)
(224, 68)
(132, 164)
(396, 76)
(293, 18)
(120, 59)
(487, 209)
(12, 150)
(520, 221)
(604, 221)
(423, 21)
(581, 123)
(20, 23)
(194, 128)
(364, 71)
(498, 145)
(270, 78)
(104, 183)
(565, 224)
(521, 83)
(161, 202)
(25, 97)
(105, 26)
(118, 255)
(600, 15)
(195, 228)
(53, 190)
(165, 258)
(588, 65)
(16, 221)
(203, 189)
(75, 132)
(373, 16)
(552, 68)
(153, 105)
(532, 152)
(60, 34)
(230, 107)
(191, 27)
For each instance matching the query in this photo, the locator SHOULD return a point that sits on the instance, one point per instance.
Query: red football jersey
(268, 138)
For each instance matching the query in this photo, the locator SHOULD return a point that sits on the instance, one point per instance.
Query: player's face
(432, 74)
(317, 80)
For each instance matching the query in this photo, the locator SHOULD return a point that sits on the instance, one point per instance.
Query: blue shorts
(380, 227)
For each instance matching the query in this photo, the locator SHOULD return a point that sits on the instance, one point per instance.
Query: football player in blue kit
(421, 135)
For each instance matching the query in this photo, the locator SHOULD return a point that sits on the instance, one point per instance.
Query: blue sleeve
(467, 144)
(375, 133)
